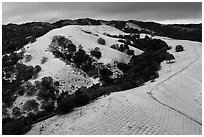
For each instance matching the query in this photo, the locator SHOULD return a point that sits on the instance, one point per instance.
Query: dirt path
(151, 92)
(128, 112)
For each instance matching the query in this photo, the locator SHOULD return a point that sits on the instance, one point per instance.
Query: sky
(162, 12)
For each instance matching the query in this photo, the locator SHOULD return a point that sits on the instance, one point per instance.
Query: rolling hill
(54, 68)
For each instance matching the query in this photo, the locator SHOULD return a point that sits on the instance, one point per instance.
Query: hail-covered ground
(172, 104)
(70, 77)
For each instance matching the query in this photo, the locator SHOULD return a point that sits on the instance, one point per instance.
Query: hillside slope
(69, 77)
(170, 105)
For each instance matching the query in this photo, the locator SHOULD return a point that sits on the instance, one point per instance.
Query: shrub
(47, 90)
(127, 42)
(71, 48)
(17, 126)
(43, 60)
(169, 47)
(126, 84)
(62, 41)
(105, 74)
(66, 105)
(28, 88)
(123, 67)
(56, 83)
(47, 81)
(114, 46)
(47, 106)
(36, 116)
(121, 36)
(31, 39)
(81, 100)
(21, 91)
(96, 53)
(80, 47)
(130, 52)
(6, 120)
(27, 85)
(121, 40)
(30, 105)
(28, 57)
(31, 91)
(123, 47)
(97, 49)
(170, 57)
(101, 41)
(38, 85)
(16, 112)
(68, 56)
(37, 68)
(81, 58)
(179, 48)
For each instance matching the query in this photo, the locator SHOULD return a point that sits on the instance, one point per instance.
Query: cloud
(19, 12)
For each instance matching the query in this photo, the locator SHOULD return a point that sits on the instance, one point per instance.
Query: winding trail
(162, 111)
(151, 94)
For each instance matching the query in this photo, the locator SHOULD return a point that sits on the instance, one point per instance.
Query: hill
(49, 69)
(16, 36)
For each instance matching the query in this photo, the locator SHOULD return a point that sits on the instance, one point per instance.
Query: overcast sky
(173, 12)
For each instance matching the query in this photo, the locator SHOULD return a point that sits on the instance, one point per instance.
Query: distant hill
(14, 36)
(177, 31)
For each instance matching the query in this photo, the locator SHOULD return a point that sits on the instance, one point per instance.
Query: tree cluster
(179, 48)
(101, 41)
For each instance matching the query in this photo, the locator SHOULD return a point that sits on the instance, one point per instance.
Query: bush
(38, 85)
(68, 56)
(81, 100)
(114, 46)
(37, 116)
(21, 91)
(79, 57)
(62, 41)
(28, 58)
(37, 68)
(47, 81)
(179, 48)
(123, 67)
(121, 40)
(101, 41)
(17, 126)
(96, 53)
(66, 105)
(105, 74)
(43, 60)
(127, 42)
(47, 106)
(47, 90)
(16, 112)
(29, 88)
(6, 120)
(169, 47)
(56, 83)
(71, 48)
(170, 57)
(126, 84)
(30, 105)
(123, 47)
(31, 91)
(130, 52)
(80, 47)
